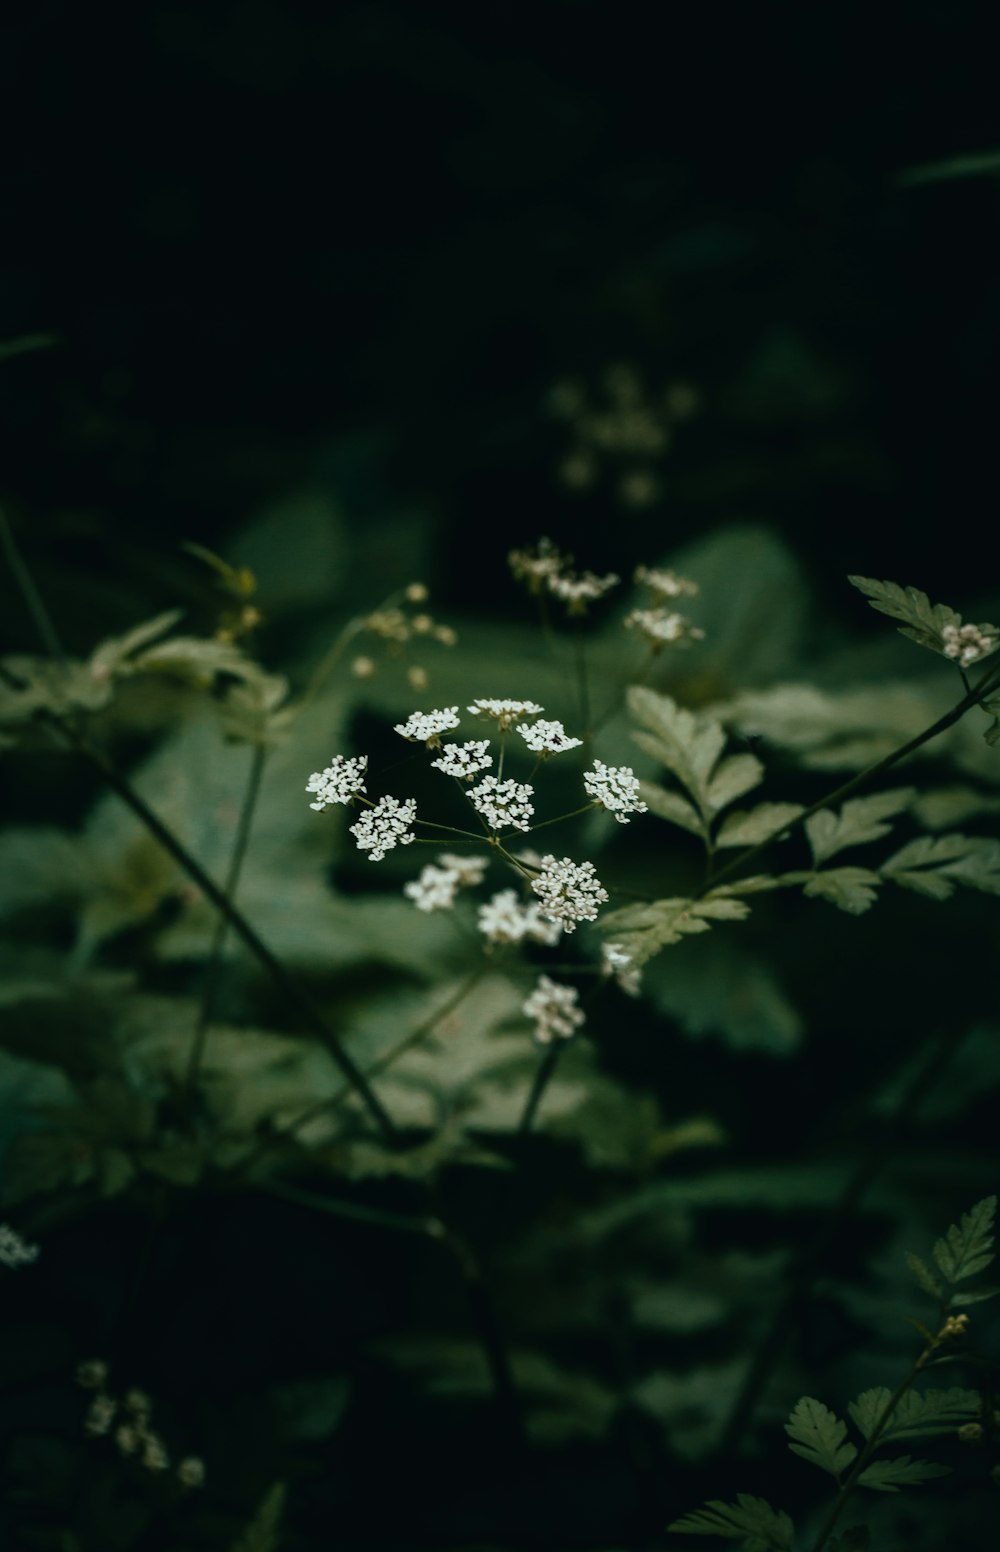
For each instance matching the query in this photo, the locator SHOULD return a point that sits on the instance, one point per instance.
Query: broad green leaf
(944, 806)
(923, 622)
(924, 1277)
(671, 806)
(750, 1520)
(733, 776)
(748, 827)
(888, 1476)
(818, 1435)
(851, 889)
(917, 1415)
(967, 1247)
(644, 929)
(860, 820)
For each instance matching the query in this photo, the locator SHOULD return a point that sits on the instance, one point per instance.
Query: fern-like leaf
(888, 1476)
(818, 1435)
(967, 1247)
(750, 1520)
(644, 929)
(860, 820)
(749, 827)
(917, 1415)
(850, 889)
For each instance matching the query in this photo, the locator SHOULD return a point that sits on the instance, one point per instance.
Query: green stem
(42, 620)
(214, 966)
(286, 983)
(540, 1082)
(561, 818)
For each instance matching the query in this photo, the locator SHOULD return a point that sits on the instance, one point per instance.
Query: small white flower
(100, 1415)
(505, 712)
(548, 738)
(617, 963)
(503, 803)
(468, 870)
(464, 760)
(665, 584)
(555, 1011)
(191, 1471)
(14, 1251)
(967, 643)
(506, 919)
(663, 628)
(92, 1373)
(616, 788)
(342, 780)
(434, 890)
(426, 727)
(579, 591)
(536, 566)
(569, 892)
(385, 826)
(154, 1456)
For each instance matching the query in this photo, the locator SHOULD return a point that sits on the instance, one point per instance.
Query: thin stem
(293, 992)
(583, 686)
(403, 1222)
(222, 926)
(540, 1082)
(47, 633)
(561, 818)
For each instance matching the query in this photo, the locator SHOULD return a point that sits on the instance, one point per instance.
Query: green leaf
(851, 889)
(924, 1277)
(860, 820)
(688, 745)
(263, 1534)
(888, 1476)
(671, 806)
(112, 656)
(818, 1436)
(734, 776)
(917, 1415)
(645, 929)
(944, 806)
(923, 622)
(967, 1247)
(750, 1520)
(965, 859)
(748, 827)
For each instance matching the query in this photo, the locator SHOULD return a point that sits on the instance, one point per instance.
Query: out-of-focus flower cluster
(968, 643)
(395, 627)
(15, 1251)
(127, 1420)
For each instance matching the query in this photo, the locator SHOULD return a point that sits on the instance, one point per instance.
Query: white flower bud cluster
(437, 886)
(426, 727)
(968, 643)
(506, 919)
(536, 567)
(555, 1011)
(576, 591)
(382, 828)
(503, 804)
(616, 963)
(661, 627)
(342, 780)
(548, 738)
(570, 892)
(133, 1435)
(616, 788)
(15, 1251)
(464, 760)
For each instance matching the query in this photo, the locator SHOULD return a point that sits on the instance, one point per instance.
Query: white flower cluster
(579, 590)
(536, 567)
(570, 892)
(548, 738)
(555, 1011)
(14, 1251)
(464, 760)
(384, 827)
(505, 712)
(665, 584)
(616, 788)
(133, 1435)
(617, 963)
(505, 919)
(661, 627)
(342, 780)
(436, 887)
(426, 727)
(503, 803)
(968, 643)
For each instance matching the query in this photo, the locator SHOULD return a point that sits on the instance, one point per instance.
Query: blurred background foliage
(360, 294)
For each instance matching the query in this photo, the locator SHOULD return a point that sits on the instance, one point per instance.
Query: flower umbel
(616, 788)
(663, 628)
(548, 738)
(464, 760)
(426, 727)
(434, 890)
(969, 643)
(555, 1011)
(506, 919)
(342, 780)
(384, 827)
(570, 892)
(577, 591)
(505, 712)
(503, 803)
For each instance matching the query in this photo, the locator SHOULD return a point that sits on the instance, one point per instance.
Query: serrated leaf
(923, 622)
(112, 656)
(688, 745)
(888, 1476)
(671, 806)
(818, 1435)
(850, 889)
(860, 820)
(645, 929)
(972, 1296)
(748, 827)
(944, 806)
(732, 777)
(966, 859)
(744, 1520)
(924, 1277)
(917, 1415)
(967, 1246)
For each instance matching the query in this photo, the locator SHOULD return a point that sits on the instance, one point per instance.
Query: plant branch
(540, 1082)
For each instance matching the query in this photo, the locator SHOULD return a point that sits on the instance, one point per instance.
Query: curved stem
(222, 926)
(540, 1082)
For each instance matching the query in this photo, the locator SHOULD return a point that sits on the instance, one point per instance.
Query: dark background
(356, 244)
